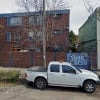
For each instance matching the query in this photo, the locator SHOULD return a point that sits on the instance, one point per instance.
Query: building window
(58, 48)
(8, 35)
(13, 36)
(38, 36)
(14, 21)
(31, 20)
(58, 32)
(17, 37)
(35, 20)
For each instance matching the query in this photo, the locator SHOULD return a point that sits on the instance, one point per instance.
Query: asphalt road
(23, 92)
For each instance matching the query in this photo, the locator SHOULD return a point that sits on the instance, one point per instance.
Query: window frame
(14, 21)
(17, 37)
(12, 37)
(35, 20)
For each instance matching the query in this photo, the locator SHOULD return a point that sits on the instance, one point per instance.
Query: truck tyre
(89, 86)
(40, 83)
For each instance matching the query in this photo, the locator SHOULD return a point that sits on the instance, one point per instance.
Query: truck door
(54, 74)
(69, 76)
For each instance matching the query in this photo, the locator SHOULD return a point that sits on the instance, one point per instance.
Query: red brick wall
(37, 59)
(51, 56)
(52, 39)
(15, 59)
(58, 24)
(61, 56)
(19, 59)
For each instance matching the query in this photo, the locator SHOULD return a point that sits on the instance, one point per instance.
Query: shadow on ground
(56, 88)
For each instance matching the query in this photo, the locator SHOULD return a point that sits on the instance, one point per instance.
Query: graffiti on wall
(80, 60)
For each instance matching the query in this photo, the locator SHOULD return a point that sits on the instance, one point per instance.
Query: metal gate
(80, 60)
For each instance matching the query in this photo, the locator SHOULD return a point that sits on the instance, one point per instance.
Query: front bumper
(98, 82)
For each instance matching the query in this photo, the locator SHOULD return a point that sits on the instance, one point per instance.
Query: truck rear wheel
(40, 83)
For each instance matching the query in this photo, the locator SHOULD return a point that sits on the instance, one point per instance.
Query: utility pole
(44, 34)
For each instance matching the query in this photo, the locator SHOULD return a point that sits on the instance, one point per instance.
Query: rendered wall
(98, 43)
(88, 35)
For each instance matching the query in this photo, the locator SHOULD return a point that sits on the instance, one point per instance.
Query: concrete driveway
(22, 92)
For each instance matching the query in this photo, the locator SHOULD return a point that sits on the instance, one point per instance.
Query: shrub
(9, 76)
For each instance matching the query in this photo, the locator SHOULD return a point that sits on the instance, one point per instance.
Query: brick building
(19, 29)
(22, 32)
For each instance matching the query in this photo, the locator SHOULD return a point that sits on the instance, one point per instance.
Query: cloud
(78, 13)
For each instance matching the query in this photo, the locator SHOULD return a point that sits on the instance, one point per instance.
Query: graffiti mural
(80, 60)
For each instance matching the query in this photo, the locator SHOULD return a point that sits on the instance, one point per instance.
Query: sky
(78, 12)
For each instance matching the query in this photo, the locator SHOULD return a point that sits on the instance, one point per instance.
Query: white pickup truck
(62, 74)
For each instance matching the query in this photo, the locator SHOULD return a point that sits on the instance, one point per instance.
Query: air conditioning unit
(55, 15)
(67, 28)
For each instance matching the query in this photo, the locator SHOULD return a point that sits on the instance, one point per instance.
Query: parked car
(62, 74)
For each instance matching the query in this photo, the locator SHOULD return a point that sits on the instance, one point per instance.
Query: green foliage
(9, 76)
(72, 41)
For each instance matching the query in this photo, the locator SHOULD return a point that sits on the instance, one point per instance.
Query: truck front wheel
(40, 83)
(89, 86)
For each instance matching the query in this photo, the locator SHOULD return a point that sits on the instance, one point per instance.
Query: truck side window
(67, 69)
(55, 68)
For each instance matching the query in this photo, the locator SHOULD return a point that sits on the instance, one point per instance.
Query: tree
(91, 7)
(37, 6)
(72, 41)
